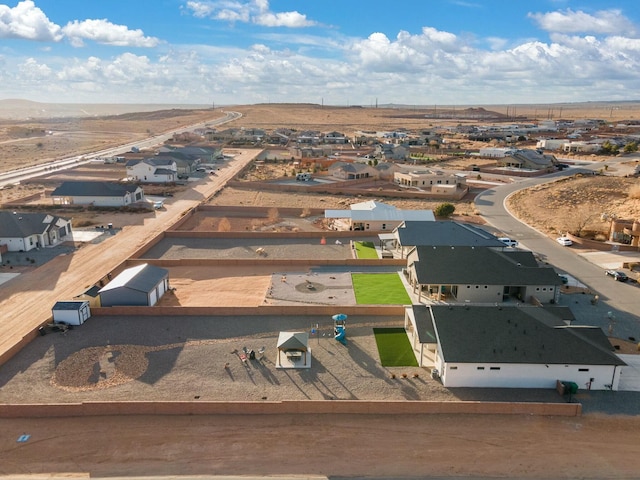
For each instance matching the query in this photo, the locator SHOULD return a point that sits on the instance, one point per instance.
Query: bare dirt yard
(576, 204)
(30, 142)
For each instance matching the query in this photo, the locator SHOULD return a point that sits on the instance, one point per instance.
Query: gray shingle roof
(444, 233)
(488, 334)
(480, 266)
(93, 189)
(142, 278)
(69, 305)
(22, 225)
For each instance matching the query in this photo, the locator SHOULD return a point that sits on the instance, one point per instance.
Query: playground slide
(341, 335)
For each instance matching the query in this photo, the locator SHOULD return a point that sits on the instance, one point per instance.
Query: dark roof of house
(445, 233)
(153, 161)
(488, 334)
(143, 278)
(424, 324)
(480, 266)
(94, 189)
(69, 305)
(22, 225)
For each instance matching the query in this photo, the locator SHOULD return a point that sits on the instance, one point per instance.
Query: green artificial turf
(365, 250)
(394, 348)
(379, 289)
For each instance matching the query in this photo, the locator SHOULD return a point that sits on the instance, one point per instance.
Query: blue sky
(348, 52)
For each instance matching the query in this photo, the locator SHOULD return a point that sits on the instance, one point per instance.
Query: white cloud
(568, 21)
(105, 32)
(284, 19)
(430, 66)
(28, 22)
(254, 11)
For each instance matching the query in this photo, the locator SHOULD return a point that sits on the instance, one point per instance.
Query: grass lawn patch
(394, 348)
(379, 289)
(365, 250)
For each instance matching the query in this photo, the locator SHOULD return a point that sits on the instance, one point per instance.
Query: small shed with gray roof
(511, 347)
(142, 285)
(72, 312)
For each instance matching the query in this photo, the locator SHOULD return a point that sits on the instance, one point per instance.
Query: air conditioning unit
(435, 374)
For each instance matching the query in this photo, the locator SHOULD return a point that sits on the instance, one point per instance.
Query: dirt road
(341, 445)
(26, 301)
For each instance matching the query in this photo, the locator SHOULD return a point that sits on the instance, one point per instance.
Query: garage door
(153, 298)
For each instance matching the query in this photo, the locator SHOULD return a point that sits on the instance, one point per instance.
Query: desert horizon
(24, 109)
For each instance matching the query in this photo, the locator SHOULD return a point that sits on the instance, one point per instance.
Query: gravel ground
(245, 248)
(156, 358)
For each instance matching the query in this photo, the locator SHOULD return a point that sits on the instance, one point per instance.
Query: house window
(583, 369)
(479, 368)
(494, 368)
(384, 226)
(31, 241)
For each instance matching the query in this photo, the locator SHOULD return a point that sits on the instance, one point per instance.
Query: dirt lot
(577, 204)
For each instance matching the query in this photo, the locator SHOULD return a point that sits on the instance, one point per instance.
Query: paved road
(26, 301)
(623, 299)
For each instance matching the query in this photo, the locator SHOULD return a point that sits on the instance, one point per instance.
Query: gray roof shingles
(480, 266)
(488, 334)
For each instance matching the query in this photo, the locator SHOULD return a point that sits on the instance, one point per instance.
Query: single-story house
(391, 151)
(529, 159)
(372, 215)
(510, 347)
(386, 170)
(352, 171)
(411, 234)
(142, 285)
(480, 275)
(99, 194)
(430, 180)
(73, 312)
(152, 170)
(21, 232)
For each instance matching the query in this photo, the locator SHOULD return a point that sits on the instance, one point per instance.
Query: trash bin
(110, 226)
(570, 388)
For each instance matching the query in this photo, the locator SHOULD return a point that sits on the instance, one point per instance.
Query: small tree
(631, 147)
(445, 210)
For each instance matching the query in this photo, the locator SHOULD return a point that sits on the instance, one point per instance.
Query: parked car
(564, 241)
(509, 242)
(617, 275)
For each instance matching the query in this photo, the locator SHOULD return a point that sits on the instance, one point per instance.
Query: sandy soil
(577, 203)
(222, 286)
(27, 142)
(339, 446)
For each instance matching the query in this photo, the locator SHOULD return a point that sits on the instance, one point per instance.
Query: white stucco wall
(517, 375)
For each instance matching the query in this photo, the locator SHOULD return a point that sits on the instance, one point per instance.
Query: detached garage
(142, 285)
(73, 312)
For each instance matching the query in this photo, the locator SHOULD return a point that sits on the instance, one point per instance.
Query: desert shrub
(634, 192)
(224, 225)
(273, 215)
(305, 212)
(445, 210)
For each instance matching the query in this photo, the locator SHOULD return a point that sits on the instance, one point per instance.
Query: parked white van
(509, 242)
